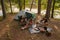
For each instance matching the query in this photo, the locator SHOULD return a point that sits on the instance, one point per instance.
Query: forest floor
(9, 30)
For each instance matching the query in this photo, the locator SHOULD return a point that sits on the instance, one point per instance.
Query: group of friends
(35, 25)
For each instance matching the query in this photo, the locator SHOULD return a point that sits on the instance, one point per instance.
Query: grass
(1, 18)
(56, 19)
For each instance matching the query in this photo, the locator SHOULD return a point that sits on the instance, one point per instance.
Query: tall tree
(24, 4)
(49, 3)
(3, 9)
(20, 4)
(10, 6)
(39, 6)
(31, 5)
(53, 8)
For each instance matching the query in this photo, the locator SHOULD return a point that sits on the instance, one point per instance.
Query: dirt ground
(10, 30)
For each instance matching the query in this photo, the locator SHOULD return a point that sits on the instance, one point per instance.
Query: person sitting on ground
(22, 19)
(33, 28)
(22, 23)
(44, 21)
(26, 23)
(47, 30)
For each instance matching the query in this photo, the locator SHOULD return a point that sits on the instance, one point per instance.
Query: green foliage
(28, 3)
(58, 1)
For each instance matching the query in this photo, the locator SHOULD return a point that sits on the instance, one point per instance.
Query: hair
(45, 21)
(45, 28)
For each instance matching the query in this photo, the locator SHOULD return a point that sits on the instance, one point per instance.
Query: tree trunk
(10, 6)
(24, 4)
(48, 9)
(20, 4)
(53, 8)
(3, 9)
(39, 6)
(31, 5)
